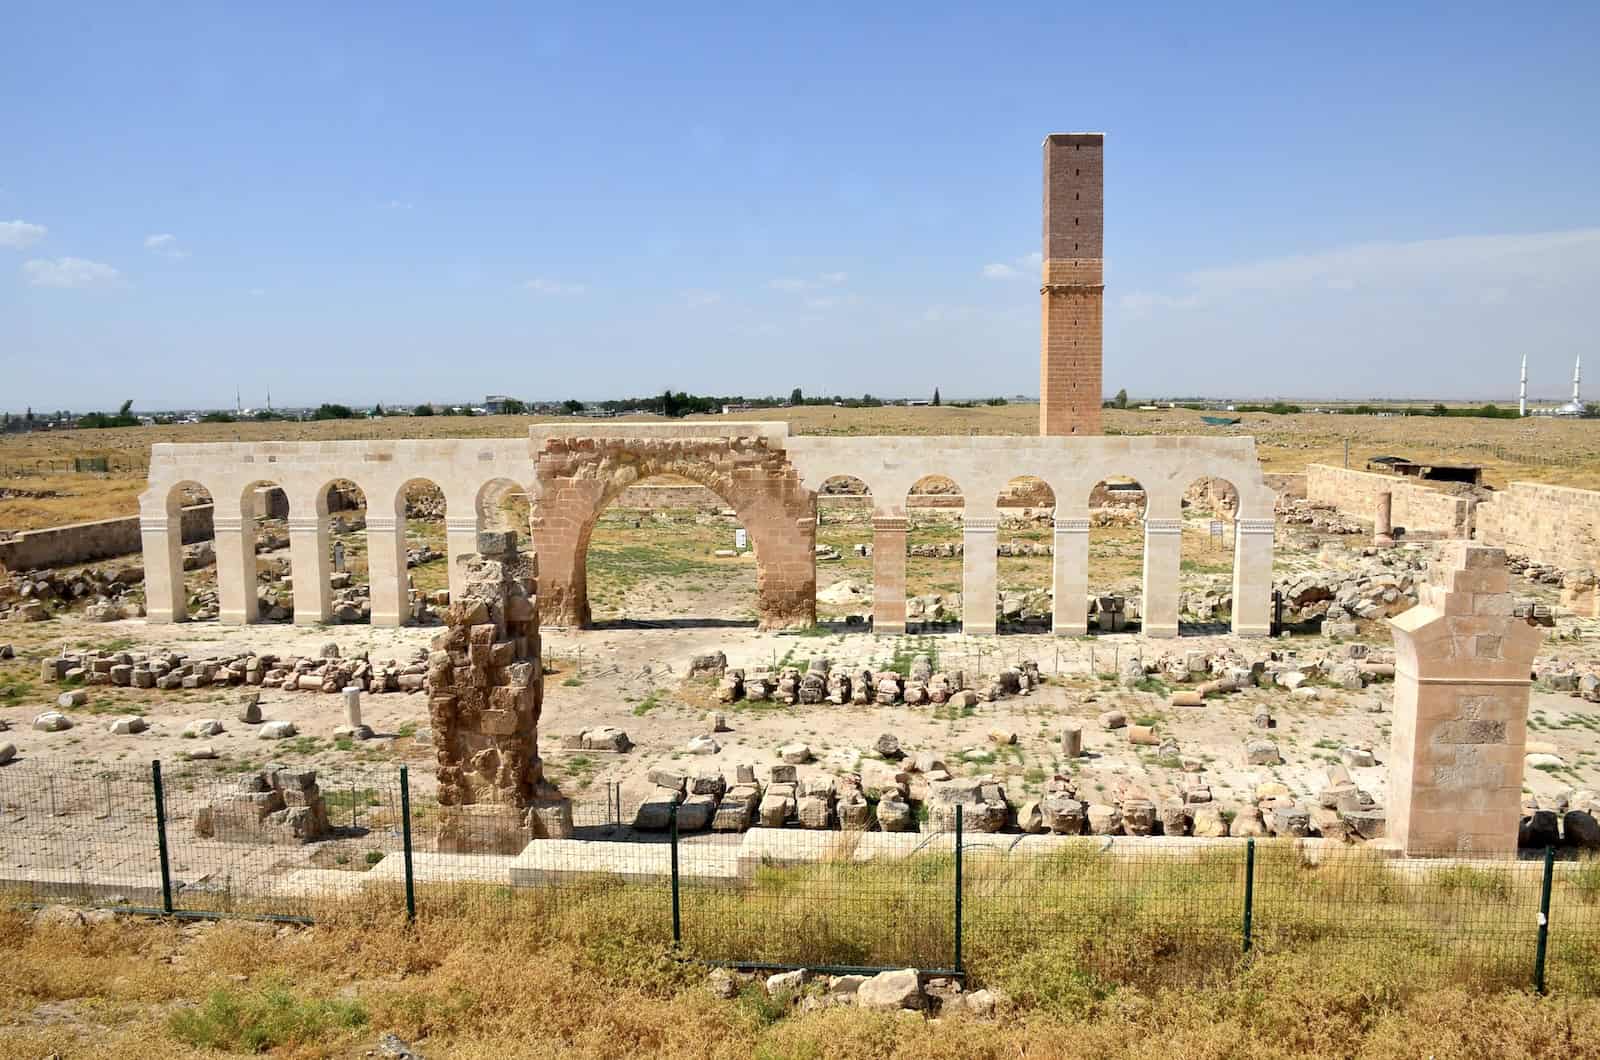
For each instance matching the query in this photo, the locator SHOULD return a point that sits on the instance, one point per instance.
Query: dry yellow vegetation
(1565, 452)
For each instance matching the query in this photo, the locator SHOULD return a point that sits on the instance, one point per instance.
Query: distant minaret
(1577, 373)
(238, 400)
(1522, 395)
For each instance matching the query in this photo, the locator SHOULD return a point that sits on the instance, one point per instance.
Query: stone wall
(1418, 508)
(1558, 525)
(63, 546)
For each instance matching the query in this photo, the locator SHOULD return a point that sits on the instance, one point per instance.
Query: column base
(1159, 631)
(897, 629)
(1070, 629)
(233, 618)
(311, 620)
(1252, 631)
(978, 628)
(388, 621)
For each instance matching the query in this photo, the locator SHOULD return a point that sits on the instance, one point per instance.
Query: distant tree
(572, 407)
(377, 410)
(422, 410)
(127, 406)
(796, 398)
(936, 395)
(1121, 400)
(1440, 410)
(334, 412)
(265, 415)
(513, 407)
(218, 417)
(28, 416)
(995, 401)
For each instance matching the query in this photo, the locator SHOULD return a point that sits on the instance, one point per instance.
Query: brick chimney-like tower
(1073, 293)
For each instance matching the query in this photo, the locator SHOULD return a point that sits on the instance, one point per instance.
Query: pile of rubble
(276, 805)
(1297, 511)
(821, 683)
(900, 990)
(30, 596)
(1384, 584)
(953, 549)
(169, 670)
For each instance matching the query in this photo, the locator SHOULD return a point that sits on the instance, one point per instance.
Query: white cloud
(1005, 270)
(165, 244)
(257, 292)
(20, 235)
(1537, 259)
(69, 272)
(397, 204)
(998, 270)
(554, 287)
(825, 279)
(701, 298)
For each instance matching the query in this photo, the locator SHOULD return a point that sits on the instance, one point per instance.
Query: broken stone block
(1358, 757)
(1539, 829)
(77, 697)
(1247, 822)
(776, 809)
(1063, 815)
(276, 730)
(52, 721)
(891, 991)
(795, 753)
(1261, 753)
(1113, 719)
(1208, 821)
(1071, 740)
(695, 812)
(1104, 820)
(702, 745)
(894, 814)
(655, 812)
(128, 725)
(1174, 818)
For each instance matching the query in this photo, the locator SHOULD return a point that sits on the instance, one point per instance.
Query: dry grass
(586, 972)
(1565, 452)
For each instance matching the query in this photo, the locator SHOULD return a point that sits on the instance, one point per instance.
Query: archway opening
(265, 507)
(844, 551)
(1205, 572)
(934, 512)
(201, 593)
(422, 505)
(1024, 568)
(1116, 554)
(660, 550)
(350, 575)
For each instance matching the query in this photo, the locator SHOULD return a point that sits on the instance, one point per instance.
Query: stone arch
(935, 550)
(421, 511)
(845, 576)
(1207, 543)
(1023, 577)
(190, 584)
(578, 478)
(1118, 508)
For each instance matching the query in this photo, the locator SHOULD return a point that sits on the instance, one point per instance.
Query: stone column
(1163, 548)
(979, 573)
(238, 598)
(309, 563)
(1383, 521)
(1462, 665)
(386, 569)
(1252, 576)
(1070, 609)
(461, 539)
(164, 599)
(888, 574)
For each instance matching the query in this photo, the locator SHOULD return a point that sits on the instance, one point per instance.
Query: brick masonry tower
(1073, 292)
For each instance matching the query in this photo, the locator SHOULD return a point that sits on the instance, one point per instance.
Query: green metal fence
(197, 840)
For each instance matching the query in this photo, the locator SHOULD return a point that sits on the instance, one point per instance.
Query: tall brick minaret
(1073, 293)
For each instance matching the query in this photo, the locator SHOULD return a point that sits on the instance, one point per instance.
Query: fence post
(1544, 919)
(958, 887)
(161, 836)
(405, 838)
(1249, 889)
(677, 923)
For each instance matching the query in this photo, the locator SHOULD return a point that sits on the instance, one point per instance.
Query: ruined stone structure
(578, 476)
(1072, 293)
(485, 690)
(1462, 675)
(1416, 508)
(1549, 524)
(572, 471)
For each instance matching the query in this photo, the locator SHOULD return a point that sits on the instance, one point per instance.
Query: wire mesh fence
(289, 843)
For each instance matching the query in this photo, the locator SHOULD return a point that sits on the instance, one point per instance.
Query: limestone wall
(1549, 524)
(63, 546)
(1418, 508)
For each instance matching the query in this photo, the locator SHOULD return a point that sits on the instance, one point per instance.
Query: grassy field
(1565, 452)
(1090, 958)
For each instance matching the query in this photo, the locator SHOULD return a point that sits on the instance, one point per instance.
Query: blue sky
(409, 202)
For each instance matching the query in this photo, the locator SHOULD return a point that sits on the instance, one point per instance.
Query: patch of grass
(268, 1018)
(647, 704)
(572, 682)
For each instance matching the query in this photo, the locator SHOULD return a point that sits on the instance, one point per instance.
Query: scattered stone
(52, 721)
(888, 991)
(795, 753)
(887, 746)
(128, 725)
(75, 698)
(272, 730)
(1113, 719)
(202, 727)
(702, 745)
(1262, 753)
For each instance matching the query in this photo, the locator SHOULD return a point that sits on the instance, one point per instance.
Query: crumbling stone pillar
(889, 574)
(309, 566)
(1252, 576)
(386, 569)
(1462, 674)
(979, 573)
(238, 602)
(485, 692)
(164, 599)
(1071, 575)
(1383, 521)
(1163, 543)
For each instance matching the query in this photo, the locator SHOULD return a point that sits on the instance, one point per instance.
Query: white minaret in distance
(1522, 394)
(1577, 373)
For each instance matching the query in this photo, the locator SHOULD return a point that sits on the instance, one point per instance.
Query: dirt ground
(660, 603)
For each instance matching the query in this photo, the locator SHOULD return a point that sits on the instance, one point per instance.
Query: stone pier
(1462, 676)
